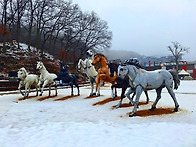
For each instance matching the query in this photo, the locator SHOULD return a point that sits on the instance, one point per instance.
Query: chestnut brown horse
(103, 72)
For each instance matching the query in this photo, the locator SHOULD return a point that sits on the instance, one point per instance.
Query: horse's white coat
(87, 68)
(27, 80)
(46, 78)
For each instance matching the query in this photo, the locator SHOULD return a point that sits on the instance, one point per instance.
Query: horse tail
(175, 78)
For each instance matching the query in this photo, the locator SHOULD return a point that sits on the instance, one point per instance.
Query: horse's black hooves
(131, 115)
(176, 109)
(78, 94)
(152, 109)
(94, 94)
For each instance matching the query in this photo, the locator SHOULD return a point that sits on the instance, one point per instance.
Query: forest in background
(56, 26)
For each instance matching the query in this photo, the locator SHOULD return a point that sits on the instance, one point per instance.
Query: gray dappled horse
(147, 80)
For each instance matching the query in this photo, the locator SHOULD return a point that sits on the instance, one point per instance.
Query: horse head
(40, 65)
(90, 53)
(22, 73)
(100, 58)
(122, 71)
(113, 66)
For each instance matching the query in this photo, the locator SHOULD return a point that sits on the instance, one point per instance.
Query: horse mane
(132, 61)
(99, 54)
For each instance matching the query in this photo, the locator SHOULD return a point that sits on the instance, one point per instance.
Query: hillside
(15, 58)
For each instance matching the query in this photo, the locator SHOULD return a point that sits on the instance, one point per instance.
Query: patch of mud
(45, 98)
(92, 97)
(156, 112)
(124, 105)
(66, 98)
(29, 97)
(106, 101)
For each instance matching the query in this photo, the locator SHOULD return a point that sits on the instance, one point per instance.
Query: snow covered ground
(80, 121)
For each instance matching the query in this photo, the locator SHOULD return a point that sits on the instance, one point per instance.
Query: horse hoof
(98, 95)
(78, 94)
(176, 109)
(94, 94)
(40, 95)
(132, 114)
(152, 108)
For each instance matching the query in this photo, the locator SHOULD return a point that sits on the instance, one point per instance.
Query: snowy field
(83, 121)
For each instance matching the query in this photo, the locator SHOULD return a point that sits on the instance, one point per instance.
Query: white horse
(90, 53)
(27, 80)
(86, 67)
(46, 78)
(147, 80)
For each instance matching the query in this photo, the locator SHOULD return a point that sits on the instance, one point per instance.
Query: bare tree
(4, 4)
(31, 6)
(20, 10)
(177, 51)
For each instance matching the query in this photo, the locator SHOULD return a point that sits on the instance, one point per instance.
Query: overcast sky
(147, 26)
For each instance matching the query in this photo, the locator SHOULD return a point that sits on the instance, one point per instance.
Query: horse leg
(173, 97)
(76, 84)
(36, 89)
(71, 84)
(98, 89)
(98, 81)
(92, 87)
(26, 89)
(130, 91)
(147, 97)
(55, 82)
(139, 91)
(19, 87)
(123, 92)
(122, 97)
(49, 89)
(113, 94)
(133, 95)
(42, 89)
(158, 91)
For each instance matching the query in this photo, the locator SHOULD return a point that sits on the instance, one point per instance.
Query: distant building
(189, 66)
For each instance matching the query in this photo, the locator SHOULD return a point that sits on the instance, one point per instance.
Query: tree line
(53, 26)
